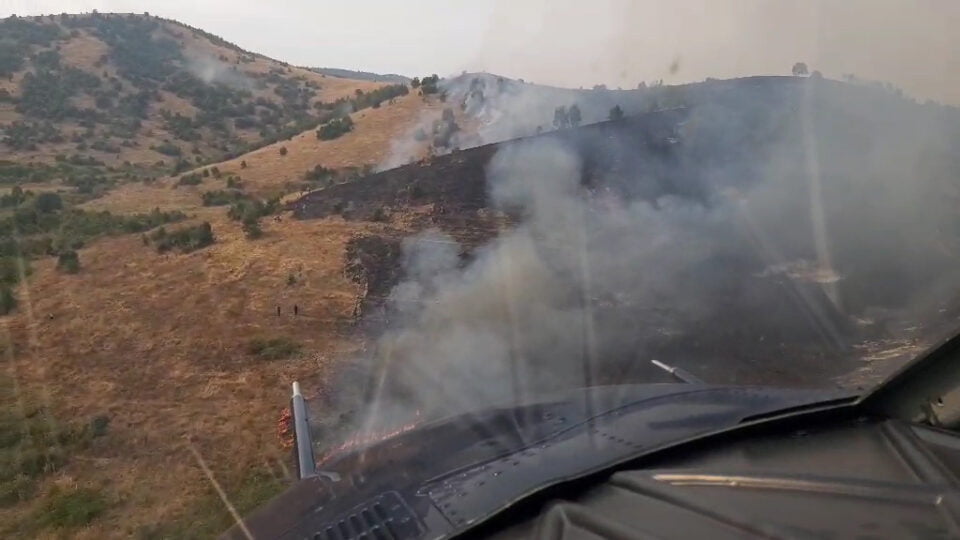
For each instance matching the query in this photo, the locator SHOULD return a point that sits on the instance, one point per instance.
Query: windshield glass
(422, 211)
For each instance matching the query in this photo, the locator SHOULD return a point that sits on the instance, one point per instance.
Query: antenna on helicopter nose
(681, 374)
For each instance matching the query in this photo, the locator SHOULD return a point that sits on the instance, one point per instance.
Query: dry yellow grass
(83, 52)
(370, 143)
(157, 343)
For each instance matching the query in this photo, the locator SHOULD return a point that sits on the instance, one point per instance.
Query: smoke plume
(770, 231)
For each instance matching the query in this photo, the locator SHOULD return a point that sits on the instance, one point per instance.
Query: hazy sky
(912, 43)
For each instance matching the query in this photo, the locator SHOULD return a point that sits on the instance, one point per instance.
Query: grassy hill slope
(134, 88)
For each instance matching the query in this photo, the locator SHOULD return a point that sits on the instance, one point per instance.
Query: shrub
(15, 490)
(616, 113)
(186, 239)
(335, 128)
(319, 173)
(252, 229)
(70, 509)
(283, 150)
(190, 180)
(99, 424)
(246, 209)
(48, 202)
(12, 266)
(374, 98)
(222, 197)
(273, 349)
(68, 261)
(430, 85)
(8, 302)
(168, 149)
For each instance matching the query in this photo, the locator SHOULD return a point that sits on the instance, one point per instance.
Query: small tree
(48, 202)
(560, 118)
(800, 69)
(243, 164)
(251, 227)
(8, 302)
(616, 113)
(283, 150)
(415, 83)
(68, 261)
(573, 115)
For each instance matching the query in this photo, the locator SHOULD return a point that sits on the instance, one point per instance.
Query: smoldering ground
(774, 227)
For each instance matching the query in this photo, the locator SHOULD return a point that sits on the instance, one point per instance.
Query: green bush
(8, 302)
(48, 202)
(68, 261)
(28, 32)
(246, 209)
(273, 348)
(319, 174)
(222, 197)
(71, 509)
(186, 239)
(73, 227)
(32, 445)
(12, 266)
(616, 113)
(27, 135)
(335, 128)
(168, 149)
(430, 85)
(375, 97)
(252, 229)
(46, 94)
(99, 425)
(190, 180)
(11, 58)
(16, 490)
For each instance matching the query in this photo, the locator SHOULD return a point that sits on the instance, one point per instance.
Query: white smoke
(720, 271)
(214, 71)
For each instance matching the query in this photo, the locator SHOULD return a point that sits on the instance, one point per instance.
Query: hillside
(144, 94)
(362, 75)
(111, 264)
